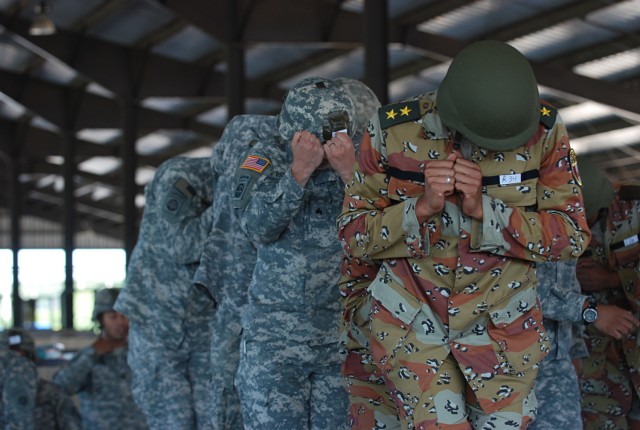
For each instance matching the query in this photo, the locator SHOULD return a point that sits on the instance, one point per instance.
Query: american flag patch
(255, 163)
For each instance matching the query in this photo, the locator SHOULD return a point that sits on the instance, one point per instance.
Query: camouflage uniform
(170, 333)
(557, 389)
(18, 376)
(289, 373)
(54, 409)
(456, 328)
(226, 266)
(610, 381)
(103, 385)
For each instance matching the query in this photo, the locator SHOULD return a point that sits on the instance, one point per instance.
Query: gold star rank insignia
(405, 111)
(547, 115)
(399, 113)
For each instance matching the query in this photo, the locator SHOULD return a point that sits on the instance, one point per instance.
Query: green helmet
(19, 339)
(490, 95)
(105, 300)
(316, 105)
(597, 189)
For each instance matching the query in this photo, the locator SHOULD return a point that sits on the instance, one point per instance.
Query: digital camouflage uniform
(102, 381)
(556, 387)
(103, 385)
(18, 376)
(456, 297)
(170, 332)
(610, 381)
(54, 409)
(226, 266)
(289, 373)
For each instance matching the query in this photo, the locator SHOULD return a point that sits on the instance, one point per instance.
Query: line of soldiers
(444, 262)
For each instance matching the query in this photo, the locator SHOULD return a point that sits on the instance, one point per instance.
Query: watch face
(590, 315)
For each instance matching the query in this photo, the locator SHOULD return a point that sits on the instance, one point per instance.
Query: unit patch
(574, 167)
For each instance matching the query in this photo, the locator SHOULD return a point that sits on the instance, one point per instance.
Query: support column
(376, 64)
(235, 82)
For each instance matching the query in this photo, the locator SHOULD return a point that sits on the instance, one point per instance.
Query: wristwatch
(590, 313)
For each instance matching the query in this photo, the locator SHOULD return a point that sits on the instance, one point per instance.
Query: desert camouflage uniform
(456, 328)
(18, 376)
(103, 385)
(226, 266)
(170, 332)
(557, 388)
(55, 410)
(289, 373)
(610, 381)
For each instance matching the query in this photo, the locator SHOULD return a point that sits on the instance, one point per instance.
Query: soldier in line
(54, 409)
(289, 193)
(456, 194)
(170, 334)
(227, 262)
(18, 377)
(609, 272)
(563, 306)
(99, 374)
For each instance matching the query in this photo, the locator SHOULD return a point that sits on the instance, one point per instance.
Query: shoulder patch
(575, 172)
(255, 163)
(548, 115)
(399, 113)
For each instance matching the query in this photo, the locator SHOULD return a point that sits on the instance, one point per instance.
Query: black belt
(486, 180)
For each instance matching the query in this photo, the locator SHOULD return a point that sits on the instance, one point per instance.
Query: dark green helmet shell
(490, 95)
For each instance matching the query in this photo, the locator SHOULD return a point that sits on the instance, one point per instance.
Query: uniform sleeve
(371, 225)
(557, 229)
(273, 201)
(74, 377)
(559, 291)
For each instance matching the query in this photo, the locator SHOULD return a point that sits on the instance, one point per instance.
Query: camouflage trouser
(225, 356)
(371, 406)
(558, 395)
(609, 386)
(430, 390)
(284, 386)
(171, 388)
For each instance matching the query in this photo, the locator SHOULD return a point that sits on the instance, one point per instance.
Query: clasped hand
(453, 175)
(309, 154)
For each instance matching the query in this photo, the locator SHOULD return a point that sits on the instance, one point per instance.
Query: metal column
(376, 64)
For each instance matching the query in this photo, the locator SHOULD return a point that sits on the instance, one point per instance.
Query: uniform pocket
(518, 336)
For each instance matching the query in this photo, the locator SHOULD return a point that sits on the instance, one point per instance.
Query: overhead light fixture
(42, 25)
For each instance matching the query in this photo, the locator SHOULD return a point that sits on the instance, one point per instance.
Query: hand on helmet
(341, 155)
(308, 155)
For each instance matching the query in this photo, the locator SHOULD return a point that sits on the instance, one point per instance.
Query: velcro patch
(255, 163)
(398, 113)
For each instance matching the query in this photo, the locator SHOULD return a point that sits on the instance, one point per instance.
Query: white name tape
(333, 133)
(510, 179)
(16, 339)
(631, 240)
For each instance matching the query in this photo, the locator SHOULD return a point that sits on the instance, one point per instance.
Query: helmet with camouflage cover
(365, 101)
(490, 95)
(105, 300)
(308, 105)
(19, 339)
(597, 189)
